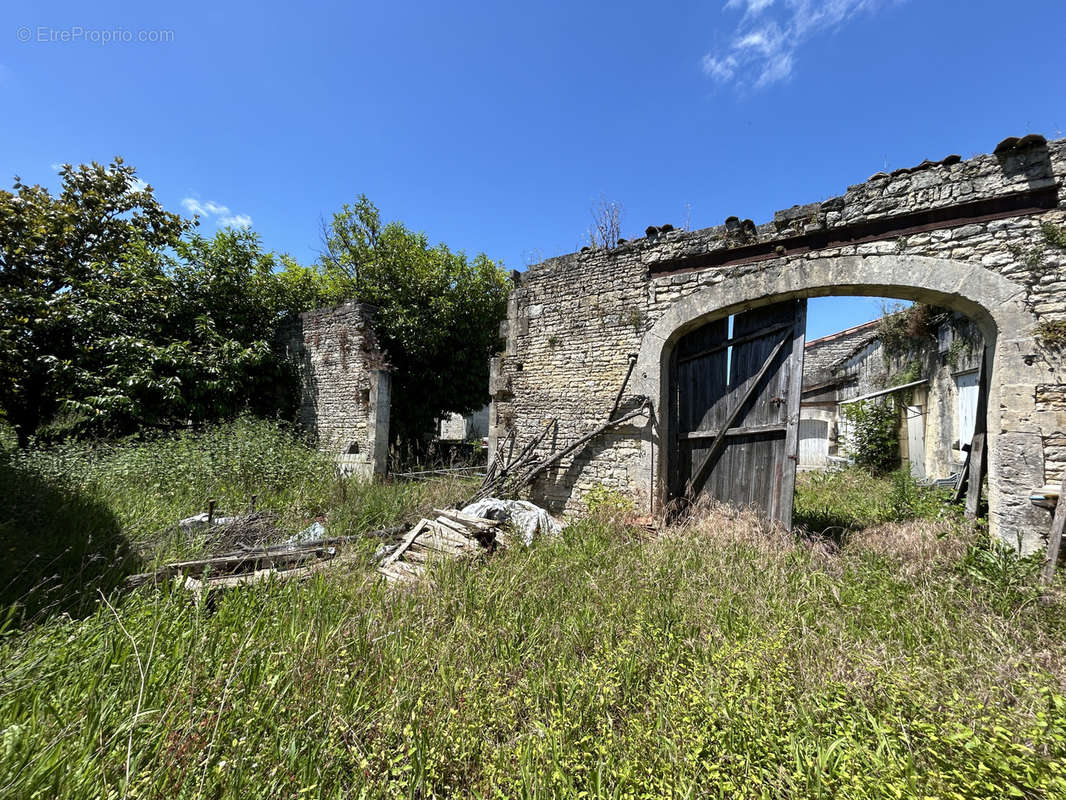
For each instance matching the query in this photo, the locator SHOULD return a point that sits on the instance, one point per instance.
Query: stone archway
(994, 302)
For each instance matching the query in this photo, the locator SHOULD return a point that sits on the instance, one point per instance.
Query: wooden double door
(735, 386)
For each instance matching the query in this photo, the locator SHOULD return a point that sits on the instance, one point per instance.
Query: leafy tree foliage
(115, 315)
(437, 312)
(874, 437)
(78, 284)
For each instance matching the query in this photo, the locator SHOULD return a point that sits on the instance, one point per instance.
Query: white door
(813, 443)
(966, 384)
(916, 440)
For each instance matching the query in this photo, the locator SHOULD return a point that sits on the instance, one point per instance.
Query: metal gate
(734, 400)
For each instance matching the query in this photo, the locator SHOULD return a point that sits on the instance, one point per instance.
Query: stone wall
(963, 234)
(460, 428)
(345, 384)
(820, 356)
(944, 454)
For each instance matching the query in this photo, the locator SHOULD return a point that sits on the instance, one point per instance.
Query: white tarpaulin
(529, 520)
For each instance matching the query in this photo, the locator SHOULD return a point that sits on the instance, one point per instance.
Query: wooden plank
(964, 480)
(976, 478)
(984, 375)
(745, 430)
(1054, 541)
(528, 476)
(435, 529)
(786, 466)
(199, 585)
(430, 541)
(738, 409)
(394, 574)
(466, 519)
(410, 537)
(242, 563)
(770, 330)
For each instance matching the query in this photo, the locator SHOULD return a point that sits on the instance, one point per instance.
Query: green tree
(437, 312)
(116, 316)
(79, 278)
(226, 303)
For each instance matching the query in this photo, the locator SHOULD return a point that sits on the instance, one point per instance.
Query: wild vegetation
(874, 436)
(437, 313)
(78, 517)
(116, 317)
(854, 499)
(720, 658)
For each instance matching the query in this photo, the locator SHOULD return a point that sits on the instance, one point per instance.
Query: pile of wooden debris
(253, 564)
(450, 535)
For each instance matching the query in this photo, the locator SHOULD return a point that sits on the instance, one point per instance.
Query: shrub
(604, 501)
(874, 439)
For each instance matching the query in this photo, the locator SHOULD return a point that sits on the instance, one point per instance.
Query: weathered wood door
(735, 398)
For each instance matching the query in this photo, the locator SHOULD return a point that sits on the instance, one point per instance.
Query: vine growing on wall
(909, 337)
(903, 331)
(1049, 333)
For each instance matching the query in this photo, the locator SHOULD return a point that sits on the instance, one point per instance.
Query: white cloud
(192, 205)
(763, 47)
(236, 220)
(750, 6)
(721, 69)
(210, 208)
(220, 212)
(57, 167)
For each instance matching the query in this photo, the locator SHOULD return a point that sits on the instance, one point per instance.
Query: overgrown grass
(78, 518)
(722, 660)
(838, 502)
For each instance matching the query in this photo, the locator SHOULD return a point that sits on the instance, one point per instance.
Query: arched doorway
(993, 302)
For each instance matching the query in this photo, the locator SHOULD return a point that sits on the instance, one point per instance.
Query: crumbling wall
(573, 320)
(572, 323)
(345, 384)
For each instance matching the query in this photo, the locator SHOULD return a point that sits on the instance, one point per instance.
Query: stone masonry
(822, 356)
(345, 385)
(961, 234)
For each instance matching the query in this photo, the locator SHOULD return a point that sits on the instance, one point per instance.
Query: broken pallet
(449, 534)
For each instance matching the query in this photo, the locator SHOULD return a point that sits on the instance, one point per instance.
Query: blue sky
(496, 127)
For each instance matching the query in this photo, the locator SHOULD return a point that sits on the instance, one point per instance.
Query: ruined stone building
(643, 326)
(345, 385)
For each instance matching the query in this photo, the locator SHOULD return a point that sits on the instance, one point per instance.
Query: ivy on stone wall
(905, 330)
